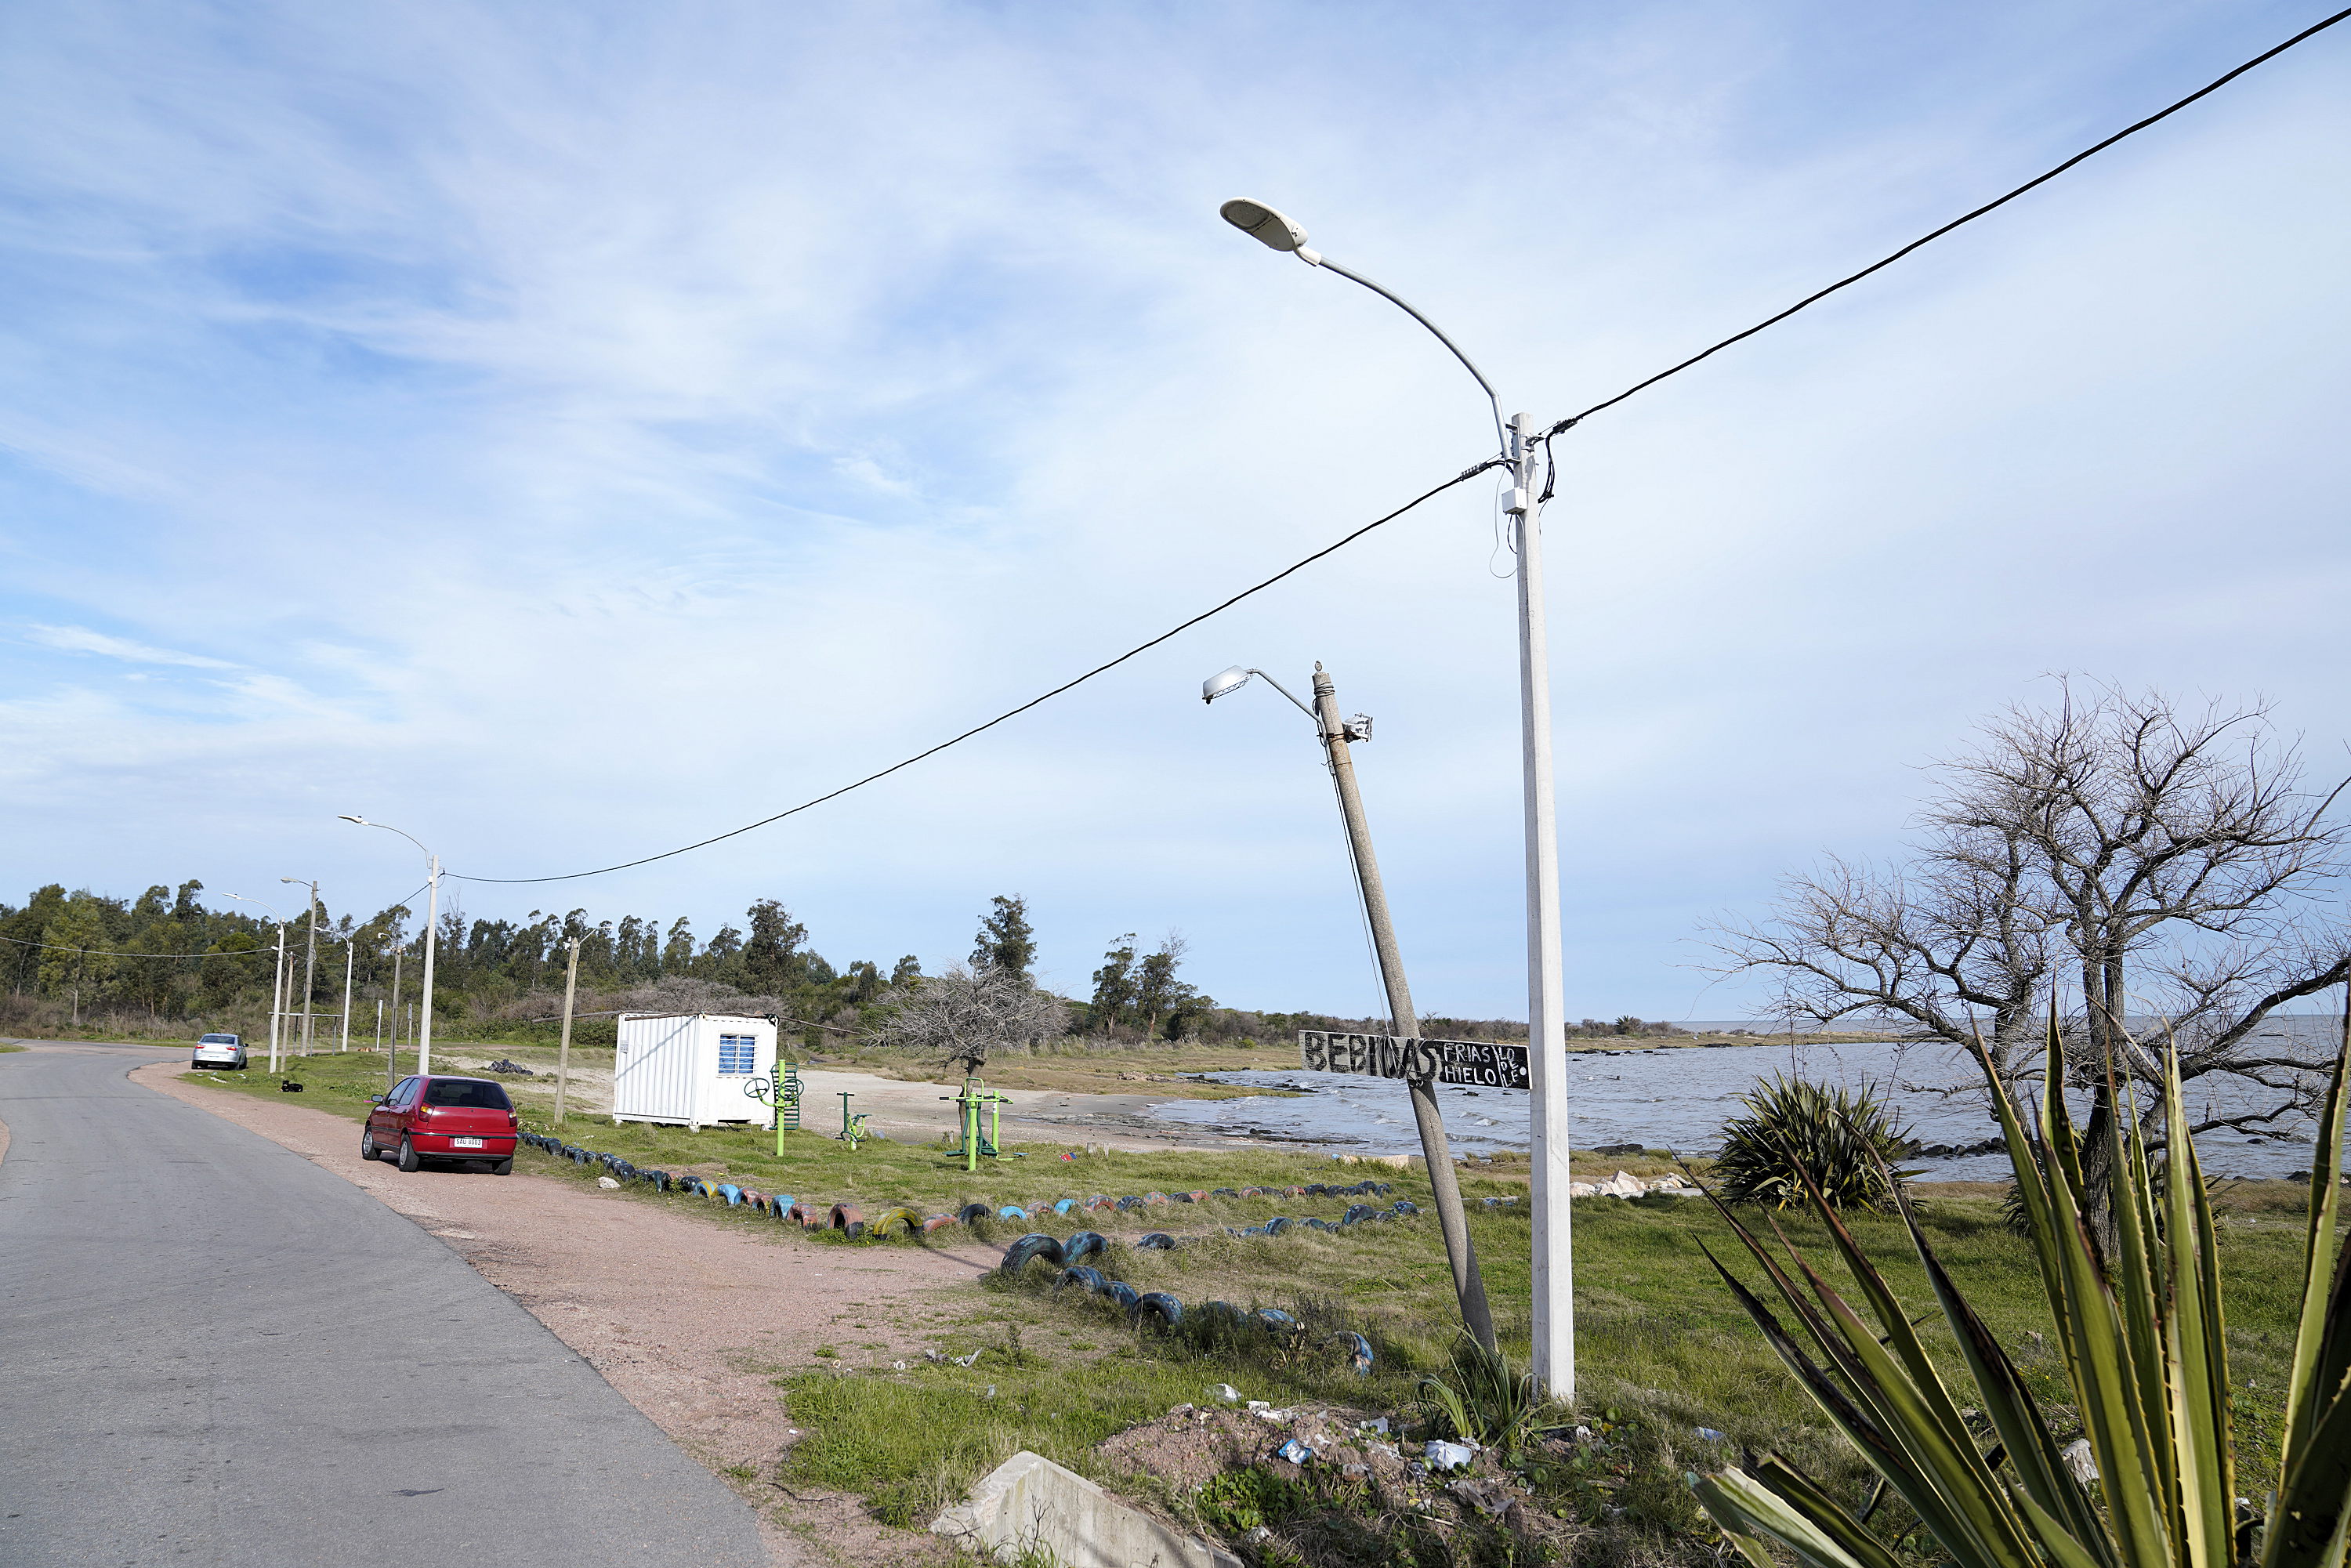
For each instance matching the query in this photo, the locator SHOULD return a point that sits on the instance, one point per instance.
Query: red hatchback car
(442, 1119)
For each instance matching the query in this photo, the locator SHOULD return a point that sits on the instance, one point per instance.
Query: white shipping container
(690, 1070)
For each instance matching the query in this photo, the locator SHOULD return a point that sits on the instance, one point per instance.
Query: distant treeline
(167, 959)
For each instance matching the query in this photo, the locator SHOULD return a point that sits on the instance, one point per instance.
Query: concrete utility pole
(278, 997)
(310, 962)
(1444, 1182)
(392, 1054)
(1554, 1249)
(563, 1051)
(277, 977)
(1554, 1266)
(432, 918)
(349, 952)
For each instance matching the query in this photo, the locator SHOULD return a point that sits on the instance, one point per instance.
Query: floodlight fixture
(1230, 680)
(1270, 227)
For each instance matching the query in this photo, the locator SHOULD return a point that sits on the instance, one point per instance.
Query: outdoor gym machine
(852, 1128)
(968, 1106)
(780, 1092)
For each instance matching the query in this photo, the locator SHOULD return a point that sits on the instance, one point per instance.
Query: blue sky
(566, 432)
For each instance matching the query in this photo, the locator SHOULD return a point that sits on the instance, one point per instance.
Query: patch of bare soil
(1362, 1482)
(689, 1320)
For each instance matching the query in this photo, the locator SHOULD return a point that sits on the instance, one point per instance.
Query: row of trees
(170, 959)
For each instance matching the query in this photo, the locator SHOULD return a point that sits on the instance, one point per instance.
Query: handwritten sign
(1488, 1064)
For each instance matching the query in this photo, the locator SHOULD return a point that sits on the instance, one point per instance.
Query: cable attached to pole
(1550, 473)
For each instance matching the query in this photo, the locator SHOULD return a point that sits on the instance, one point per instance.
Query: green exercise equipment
(780, 1089)
(967, 1104)
(852, 1128)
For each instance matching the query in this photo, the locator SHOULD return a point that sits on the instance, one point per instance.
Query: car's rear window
(218, 1040)
(478, 1093)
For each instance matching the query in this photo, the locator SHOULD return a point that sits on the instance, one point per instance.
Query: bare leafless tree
(2161, 865)
(965, 1015)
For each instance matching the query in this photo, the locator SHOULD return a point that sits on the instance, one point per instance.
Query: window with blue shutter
(738, 1055)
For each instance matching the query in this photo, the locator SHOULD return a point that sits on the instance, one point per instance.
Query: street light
(277, 985)
(310, 962)
(1444, 1183)
(1554, 1265)
(432, 918)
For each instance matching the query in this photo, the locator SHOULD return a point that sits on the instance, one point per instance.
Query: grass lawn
(1662, 1347)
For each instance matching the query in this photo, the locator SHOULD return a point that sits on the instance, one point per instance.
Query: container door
(737, 1065)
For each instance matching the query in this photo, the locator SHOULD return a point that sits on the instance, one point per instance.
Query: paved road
(214, 1352)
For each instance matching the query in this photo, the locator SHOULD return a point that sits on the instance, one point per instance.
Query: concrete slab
(1028, 1502)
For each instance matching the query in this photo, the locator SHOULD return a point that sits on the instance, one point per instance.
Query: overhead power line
(1462, 477)
(2213, 86)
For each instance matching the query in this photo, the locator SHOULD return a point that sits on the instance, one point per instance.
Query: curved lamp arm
(388, 827)
(242, 899)
(1236, 677)
(1280, 233)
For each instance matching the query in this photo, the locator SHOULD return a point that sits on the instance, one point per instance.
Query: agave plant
(1485, 1403)
(2144, 1345)
(1797, 1131)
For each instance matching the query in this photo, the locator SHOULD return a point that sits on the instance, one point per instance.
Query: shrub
(2145, 1348)
(1847, 1142)
(1482, 1403)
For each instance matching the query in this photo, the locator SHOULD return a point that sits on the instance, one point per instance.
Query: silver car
(219, 1051)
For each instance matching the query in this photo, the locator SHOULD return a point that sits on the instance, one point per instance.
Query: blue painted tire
(1092, 1278)
(1276, 1321)
(1063, 1206)
(1156, 1241)
(1278, 1224)
(1357, 1213)
(1158, 1304)
(1012, 1211)
(1084, 1244)
(1124, 1294)
(973, 1211)
(1028, 1249)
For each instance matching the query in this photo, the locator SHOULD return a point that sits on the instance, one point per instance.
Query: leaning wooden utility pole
(1442, 1180)
(563, 1051)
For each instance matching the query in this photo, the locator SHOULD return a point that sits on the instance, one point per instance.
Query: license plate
(464, 1143)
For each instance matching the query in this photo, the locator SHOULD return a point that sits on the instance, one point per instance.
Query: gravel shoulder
(690, 1321)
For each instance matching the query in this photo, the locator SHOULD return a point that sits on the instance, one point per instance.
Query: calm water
(1680, 1097)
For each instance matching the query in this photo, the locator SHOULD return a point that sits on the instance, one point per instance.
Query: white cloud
(82, 640)
(606, 429)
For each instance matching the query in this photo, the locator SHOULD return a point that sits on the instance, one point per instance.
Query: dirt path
(688, 1321)
(915, 1111)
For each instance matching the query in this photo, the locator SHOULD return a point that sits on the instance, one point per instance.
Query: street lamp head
(1230, 680)
(1270, 227)
(346, 817)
